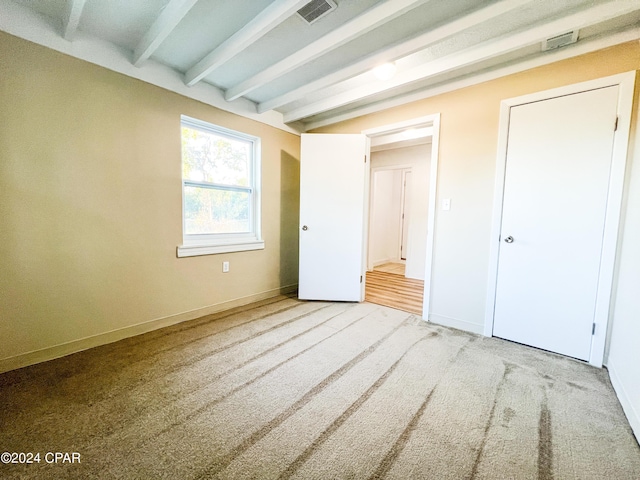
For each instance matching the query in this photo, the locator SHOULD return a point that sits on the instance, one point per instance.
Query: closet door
(557, 176)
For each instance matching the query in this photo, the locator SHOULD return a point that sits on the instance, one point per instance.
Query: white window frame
(211, 244)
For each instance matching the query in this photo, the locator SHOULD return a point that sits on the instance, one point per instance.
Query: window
(220, 190)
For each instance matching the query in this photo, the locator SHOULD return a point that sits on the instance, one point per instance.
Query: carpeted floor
(311, 390)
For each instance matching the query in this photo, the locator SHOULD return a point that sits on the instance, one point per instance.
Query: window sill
(240, 246)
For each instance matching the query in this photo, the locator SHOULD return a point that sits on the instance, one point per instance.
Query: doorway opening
(402, 193)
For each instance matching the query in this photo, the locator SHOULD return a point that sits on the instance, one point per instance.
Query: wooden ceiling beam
(469, 56)
(171, 15)
(590, 45)
(264, 22)
(398, 51)
(360, 25)
(74, 12)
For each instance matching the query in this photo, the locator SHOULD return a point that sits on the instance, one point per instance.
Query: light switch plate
(446, 204)
(225, 267)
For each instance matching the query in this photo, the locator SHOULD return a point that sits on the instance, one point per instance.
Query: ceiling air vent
(560, 41)
(315, 10)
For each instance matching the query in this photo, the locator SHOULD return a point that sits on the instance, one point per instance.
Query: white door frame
(403, 216)
(626, 83)
(434, 122)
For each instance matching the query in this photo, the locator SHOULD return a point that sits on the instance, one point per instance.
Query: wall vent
(560, 41)
(315, 10)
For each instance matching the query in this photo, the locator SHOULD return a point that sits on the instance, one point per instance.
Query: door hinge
(615, 127)
(593, 329)
(365, 159)
(360, 278)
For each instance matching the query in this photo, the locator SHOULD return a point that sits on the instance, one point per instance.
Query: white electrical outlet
(446, 204)
(225, 267)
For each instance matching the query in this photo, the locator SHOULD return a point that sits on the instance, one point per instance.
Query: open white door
(333, 172)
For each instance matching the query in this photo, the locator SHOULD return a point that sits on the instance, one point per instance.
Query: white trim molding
(626, 84)
(215, 242)
(625, 399)
(197, 250)
(455, 323)
(74, 346)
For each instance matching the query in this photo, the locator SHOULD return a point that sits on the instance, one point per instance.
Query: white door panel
(555, 197)
(332, 209)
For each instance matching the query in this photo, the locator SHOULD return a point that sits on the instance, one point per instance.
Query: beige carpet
(309, 390)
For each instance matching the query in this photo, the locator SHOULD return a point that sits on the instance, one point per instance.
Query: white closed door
(557, 174)
(332, 212)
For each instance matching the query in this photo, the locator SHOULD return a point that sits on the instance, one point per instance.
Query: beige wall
(90, 205)
(90, 210)
(468, 144)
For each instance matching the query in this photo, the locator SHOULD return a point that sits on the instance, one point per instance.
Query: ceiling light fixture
(385, 71)
(420, 132)
(412, 133)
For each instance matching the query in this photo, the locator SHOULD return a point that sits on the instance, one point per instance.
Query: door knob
(509, 239)
(305, 228)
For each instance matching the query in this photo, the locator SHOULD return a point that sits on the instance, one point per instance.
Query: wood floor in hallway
(391, 267)
(393, 290)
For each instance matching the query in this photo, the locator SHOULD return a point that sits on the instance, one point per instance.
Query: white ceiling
(258, 58)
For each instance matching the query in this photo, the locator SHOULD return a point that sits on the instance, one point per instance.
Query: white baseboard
(74, 346)
(625, 400)
(455, 323)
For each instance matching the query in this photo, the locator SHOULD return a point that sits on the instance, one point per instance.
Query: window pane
(207, 157)
(208, 210)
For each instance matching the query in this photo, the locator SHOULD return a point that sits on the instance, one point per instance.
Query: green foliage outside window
(217, 175)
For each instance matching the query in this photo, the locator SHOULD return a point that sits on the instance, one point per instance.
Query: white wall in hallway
(419, 158)
(385, 216)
